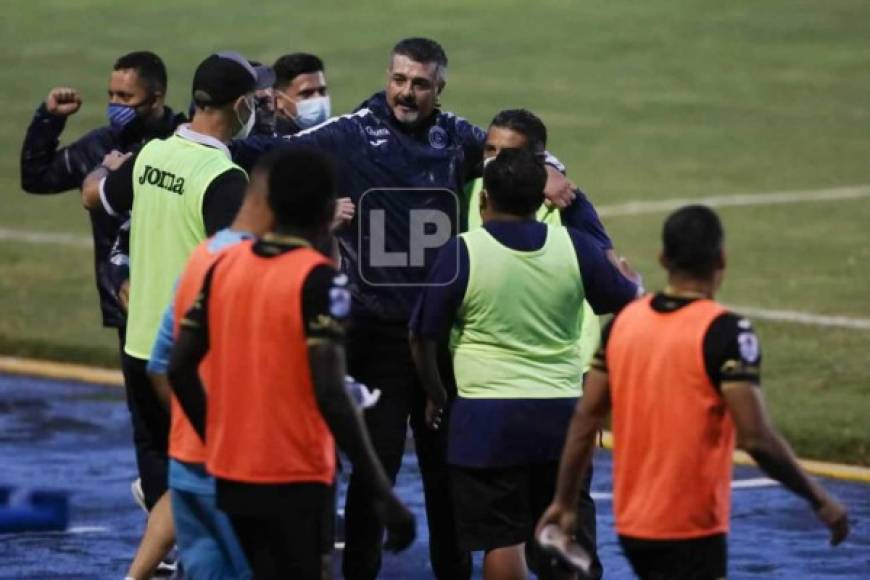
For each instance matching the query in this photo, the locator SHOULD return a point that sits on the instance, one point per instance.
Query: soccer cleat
(556, 544)
(138, 494)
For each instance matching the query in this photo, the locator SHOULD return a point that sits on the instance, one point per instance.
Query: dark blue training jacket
(47, 168)
(372, 150)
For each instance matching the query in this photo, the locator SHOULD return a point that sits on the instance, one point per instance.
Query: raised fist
(63, 101)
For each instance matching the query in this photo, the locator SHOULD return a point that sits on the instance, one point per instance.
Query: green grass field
(644, 101)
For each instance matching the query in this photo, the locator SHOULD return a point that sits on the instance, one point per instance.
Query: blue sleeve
(435, 311)
(553, 161)
(246, 151)
(158, 362)
(581, 216)
(330, 136)
(472, 139)
(607, 290)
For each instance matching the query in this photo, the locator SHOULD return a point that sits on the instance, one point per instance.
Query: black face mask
(266, 119)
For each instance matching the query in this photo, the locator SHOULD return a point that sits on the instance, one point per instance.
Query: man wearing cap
(180, 190)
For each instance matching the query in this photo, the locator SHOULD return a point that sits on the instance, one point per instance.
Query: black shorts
(286, 531)
(695, 559)
(499, 507)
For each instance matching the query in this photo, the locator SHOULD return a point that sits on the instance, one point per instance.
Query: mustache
(410, 103)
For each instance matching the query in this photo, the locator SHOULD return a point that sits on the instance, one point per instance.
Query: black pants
(379, 356)
(286, 531)
(150, 428)
(696, 559)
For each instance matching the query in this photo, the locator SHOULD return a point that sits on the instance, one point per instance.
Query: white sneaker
(166, 570)
(169, 568)
(557, 545)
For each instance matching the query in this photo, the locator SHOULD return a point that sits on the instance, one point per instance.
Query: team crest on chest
(437, 137)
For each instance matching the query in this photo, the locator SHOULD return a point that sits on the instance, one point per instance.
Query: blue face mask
(120, 116)
(311, 112)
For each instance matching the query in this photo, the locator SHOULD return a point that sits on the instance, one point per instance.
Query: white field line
(743, 199)
(45, 238)
(625, 209)
(617, 210)
(803, 317)
(753, 483)
(87, 530)
(75, 530)
(736, 484)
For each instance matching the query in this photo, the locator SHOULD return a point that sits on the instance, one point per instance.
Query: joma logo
(162, 179)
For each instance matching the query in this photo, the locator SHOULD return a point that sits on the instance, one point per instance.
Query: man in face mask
(136, 114)
(301, 93)
(180, 190)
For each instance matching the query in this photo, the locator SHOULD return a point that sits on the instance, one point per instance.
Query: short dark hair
(692, 238)
(423, 50)
(514, 182)
(148, 66)
(302, 185)
(290, 66)
(525, 123)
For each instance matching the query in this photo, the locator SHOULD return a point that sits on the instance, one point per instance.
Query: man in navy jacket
(403, 163)
(136, 114)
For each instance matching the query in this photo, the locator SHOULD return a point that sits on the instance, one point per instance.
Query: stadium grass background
(644, 101)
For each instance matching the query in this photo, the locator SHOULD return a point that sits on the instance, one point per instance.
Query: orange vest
(263, 423)
(673, 435)
(184, 443)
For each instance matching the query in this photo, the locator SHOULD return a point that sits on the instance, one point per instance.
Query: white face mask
(248, 125)
(313, 111)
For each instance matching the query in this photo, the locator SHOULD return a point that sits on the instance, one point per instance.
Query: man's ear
(441, 86)
(484, 199)
(663, 260)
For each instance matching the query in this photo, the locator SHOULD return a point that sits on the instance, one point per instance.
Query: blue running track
(76, 437)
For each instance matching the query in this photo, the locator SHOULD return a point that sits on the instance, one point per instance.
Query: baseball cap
(225, 76)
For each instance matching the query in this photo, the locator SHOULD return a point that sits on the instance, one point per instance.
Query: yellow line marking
(61, 371)
(113, 377)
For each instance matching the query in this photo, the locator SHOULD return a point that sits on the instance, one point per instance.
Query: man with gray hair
(398, 157)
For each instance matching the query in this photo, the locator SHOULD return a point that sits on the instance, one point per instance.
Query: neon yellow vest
(170, 178)
(519, 320)
(590, 333)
